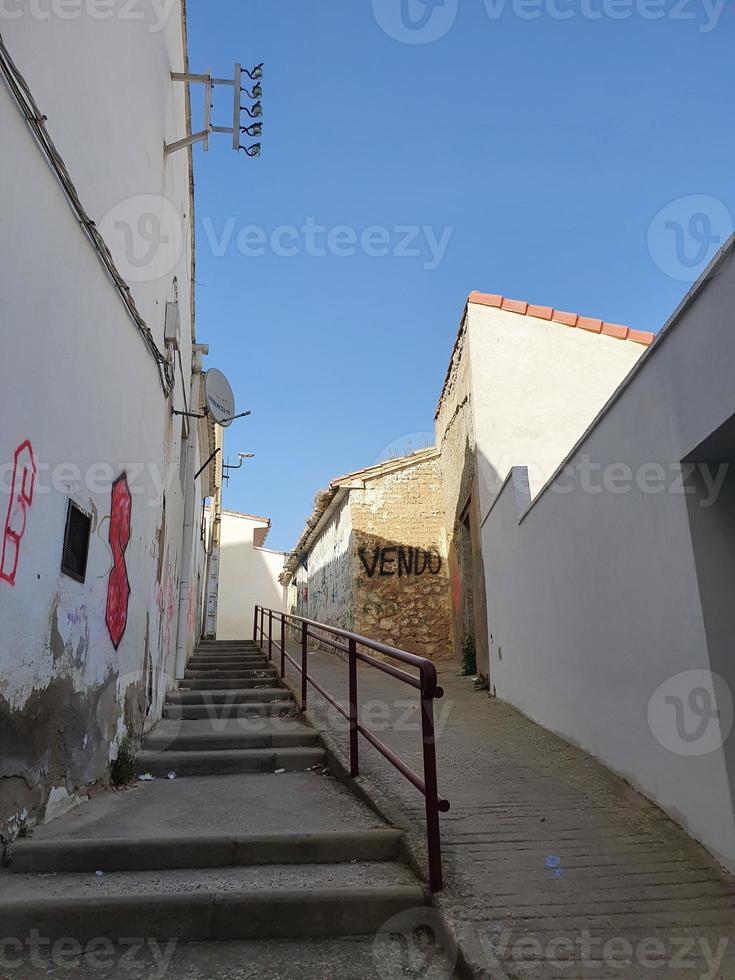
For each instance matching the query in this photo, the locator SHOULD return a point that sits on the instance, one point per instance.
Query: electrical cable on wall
(37, 123)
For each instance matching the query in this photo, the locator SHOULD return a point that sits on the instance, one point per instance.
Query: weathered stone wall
(455, 437)
(401, 586)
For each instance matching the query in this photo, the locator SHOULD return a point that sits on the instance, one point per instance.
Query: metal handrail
(425, 683)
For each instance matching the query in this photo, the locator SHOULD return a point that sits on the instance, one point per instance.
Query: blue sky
(583, 163)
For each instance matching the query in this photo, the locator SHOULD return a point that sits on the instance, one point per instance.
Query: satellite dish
(219, 397)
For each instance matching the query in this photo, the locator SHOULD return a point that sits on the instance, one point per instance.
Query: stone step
(252, 709)
(210, 662)
(224, 683)
(234, 670)
(165, 740)
(227, 673)
(228, 657)
(231, 652)
(215, 763)
(173, 728)
(345, 957)
(229, 697)
(264, 902)
(151, 853)
(225, 806)
(229, 645)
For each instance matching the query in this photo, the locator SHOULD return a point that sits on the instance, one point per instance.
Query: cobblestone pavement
(554, 867)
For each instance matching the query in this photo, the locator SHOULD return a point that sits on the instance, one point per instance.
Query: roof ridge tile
(592, 324)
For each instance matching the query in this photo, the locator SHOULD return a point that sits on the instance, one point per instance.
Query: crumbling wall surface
(401, 590)
(325, 585)
(455, 437)
(85, 418)
(77, 675)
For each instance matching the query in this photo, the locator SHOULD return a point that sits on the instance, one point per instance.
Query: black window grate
(76, 543)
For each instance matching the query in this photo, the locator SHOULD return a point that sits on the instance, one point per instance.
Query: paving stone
(542, 842)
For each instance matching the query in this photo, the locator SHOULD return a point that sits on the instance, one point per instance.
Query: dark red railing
(425, 683)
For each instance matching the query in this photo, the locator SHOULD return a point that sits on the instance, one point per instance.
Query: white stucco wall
(248, 576)
(536, 386)
(81, 387)
(329, 572)
(594, 598)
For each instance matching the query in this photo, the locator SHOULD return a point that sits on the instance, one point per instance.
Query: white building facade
(610, 589)
(248, 574)
(102, 554)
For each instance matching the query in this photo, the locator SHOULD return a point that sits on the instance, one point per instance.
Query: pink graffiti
(191, 611)
(165, 595)
(170, 599)
(21, 498)
(118, 586)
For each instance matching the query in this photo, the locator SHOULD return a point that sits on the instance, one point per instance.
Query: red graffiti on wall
(21, 498)
(118, 586)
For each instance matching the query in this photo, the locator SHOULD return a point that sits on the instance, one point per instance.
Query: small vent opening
(76, 543)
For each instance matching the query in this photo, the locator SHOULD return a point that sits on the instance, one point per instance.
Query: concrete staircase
(247, 838)
(208, 726)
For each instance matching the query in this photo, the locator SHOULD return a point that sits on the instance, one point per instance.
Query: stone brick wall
(455, 437)
(400, 581)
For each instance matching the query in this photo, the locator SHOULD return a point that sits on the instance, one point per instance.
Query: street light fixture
(210, 83)
(232, 466)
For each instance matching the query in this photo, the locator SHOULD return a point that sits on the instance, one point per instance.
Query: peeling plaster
(69, 633)
(60, 801)
(58, 738)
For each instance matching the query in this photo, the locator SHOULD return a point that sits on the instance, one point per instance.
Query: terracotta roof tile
(485, 299)
(641, 337)
(542, 312)
(617, 330)
(514, 305)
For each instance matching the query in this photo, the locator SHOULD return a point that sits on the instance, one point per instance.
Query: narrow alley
(367, 479)
(234, 831)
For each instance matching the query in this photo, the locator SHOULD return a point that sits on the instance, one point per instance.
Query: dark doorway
(709, 479)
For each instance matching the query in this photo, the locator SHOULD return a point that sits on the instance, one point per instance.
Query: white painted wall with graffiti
(85, 416)
(324, 586)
